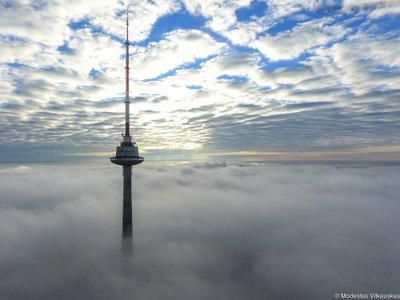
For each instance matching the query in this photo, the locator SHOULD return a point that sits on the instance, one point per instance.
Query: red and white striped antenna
(127, 136)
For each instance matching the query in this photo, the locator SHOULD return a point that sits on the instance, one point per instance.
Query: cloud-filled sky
(204, 231)
(263, 78)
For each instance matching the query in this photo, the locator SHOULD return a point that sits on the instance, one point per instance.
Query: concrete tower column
(127, 203)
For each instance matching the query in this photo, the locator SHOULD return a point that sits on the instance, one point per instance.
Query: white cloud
(23, 21)
(18, 51)
(46, 22)
(177, 47)
(362, 63)
(304, 37)
(221, 12)
(282, 8)
(222, 17)
(379, 7)
(143, 16)
(244, 33)
(32, 32)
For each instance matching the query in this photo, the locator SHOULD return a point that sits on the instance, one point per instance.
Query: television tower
(127, 155)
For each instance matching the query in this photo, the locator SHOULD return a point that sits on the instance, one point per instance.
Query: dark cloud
(249, 106)
(207, 231)
(233, 62)
(325, 92)
(159, 99)
(319, 125)
(204, 108)
(301, 105)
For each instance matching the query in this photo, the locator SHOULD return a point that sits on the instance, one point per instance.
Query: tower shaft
(127, 203)
(127, 230)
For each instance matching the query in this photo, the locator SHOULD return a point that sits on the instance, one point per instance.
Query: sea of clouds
(200, 231)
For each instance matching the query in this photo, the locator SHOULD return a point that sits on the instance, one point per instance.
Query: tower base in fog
(127, 242)
(127, 155)
(127, 203)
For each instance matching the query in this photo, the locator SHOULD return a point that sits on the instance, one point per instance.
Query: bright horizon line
(365, 153)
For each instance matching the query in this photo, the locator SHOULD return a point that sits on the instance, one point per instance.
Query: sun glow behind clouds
(217, 76)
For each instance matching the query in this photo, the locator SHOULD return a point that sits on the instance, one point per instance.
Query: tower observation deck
(127, 154)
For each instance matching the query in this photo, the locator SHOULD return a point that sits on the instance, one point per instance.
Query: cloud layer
(201, 231)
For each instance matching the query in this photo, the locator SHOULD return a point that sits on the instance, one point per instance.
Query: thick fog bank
(201, 231)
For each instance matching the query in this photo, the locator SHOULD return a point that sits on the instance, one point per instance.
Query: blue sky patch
(233, 78)
(282, 25)
(65, 49)
(85, 23)
(16, 65)
(194, 87)
(171, 22)
(178, 20)
(385, 24)
(264, 88)
(82, 23)
(161, 76)
(196, 64)
(94, 73)
(255, 9)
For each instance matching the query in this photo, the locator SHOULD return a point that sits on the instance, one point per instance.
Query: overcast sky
(260, 78)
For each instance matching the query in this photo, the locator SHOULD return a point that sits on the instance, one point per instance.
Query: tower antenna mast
(127, 137)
